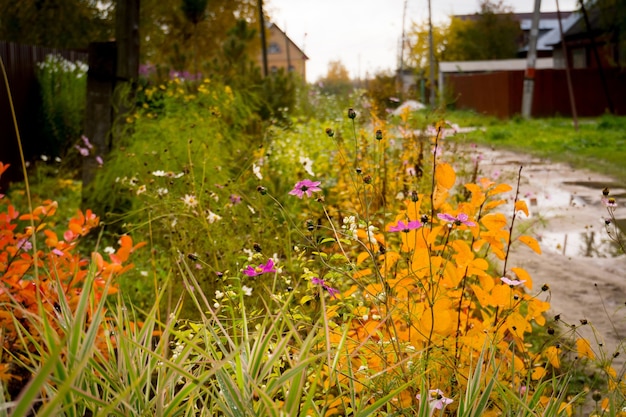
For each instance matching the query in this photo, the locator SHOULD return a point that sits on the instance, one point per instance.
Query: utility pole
(531, 59)
(263, 42)
(431, 57)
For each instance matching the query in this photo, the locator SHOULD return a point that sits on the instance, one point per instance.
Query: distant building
(282, 52)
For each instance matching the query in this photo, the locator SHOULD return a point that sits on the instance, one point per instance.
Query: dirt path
(587, 280)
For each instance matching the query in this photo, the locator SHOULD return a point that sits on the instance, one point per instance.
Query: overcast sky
(365, 34)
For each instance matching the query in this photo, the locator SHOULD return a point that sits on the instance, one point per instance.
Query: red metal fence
(500, 93)
(20, 62)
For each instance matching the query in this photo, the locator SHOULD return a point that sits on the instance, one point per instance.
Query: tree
(612, 19)
(490, 34)
(419, 49)
(172, 34)
(56, 23)
(337, 80)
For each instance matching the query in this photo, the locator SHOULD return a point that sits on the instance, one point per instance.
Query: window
(273, 48)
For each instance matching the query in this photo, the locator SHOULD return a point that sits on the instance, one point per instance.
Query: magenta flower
(332, 291)
(460, 219)
(86, 142)
(82, 151)
(305, 187)
(436, 399)
(405, 227)
(609, 202)
(99, 160)
(512, 282)
(261, 269)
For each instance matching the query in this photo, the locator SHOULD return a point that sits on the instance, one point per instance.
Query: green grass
(599, 144)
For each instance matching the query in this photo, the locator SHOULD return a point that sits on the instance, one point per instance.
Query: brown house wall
(500, 93)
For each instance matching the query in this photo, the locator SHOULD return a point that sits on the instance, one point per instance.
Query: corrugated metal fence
(500, 93)
(20, 62)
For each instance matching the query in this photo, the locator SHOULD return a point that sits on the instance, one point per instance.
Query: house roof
(270, 25)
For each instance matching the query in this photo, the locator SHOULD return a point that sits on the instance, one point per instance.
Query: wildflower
(82, 151)
(190, 200)
(109, 250)
(307, 164)
(405, 227)
(512, 282)
(235, 199)
(332, 291)
(86, 142)
(218, 294)
(141, 189)
(256, 170)
(159, 173)
(379, 134)
(57, 252)
(262, 190)
(460, 219)
(351, 113)
(246, 290)
(162, 191)
(99, 160)
(212, 217)
(261, 269)
(436, 399)
(44, 158)
(305, 187)
(609, 202)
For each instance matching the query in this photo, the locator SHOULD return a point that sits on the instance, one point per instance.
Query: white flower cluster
(56, 63)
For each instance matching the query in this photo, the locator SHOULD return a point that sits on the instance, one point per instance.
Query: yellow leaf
(493, 204)
(522, 275)
(494, 221)
(538, 373)
(478, 197)
(552, 354)
(445, 176)
(520, 205)
(584, 349)
(531, 242)
(498, 189)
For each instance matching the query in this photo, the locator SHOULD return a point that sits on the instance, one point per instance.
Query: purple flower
(235, 199)
(305, 187)
(609, 202)
(86, 142)
(58, 252)
(405, 227)
(512, 282)
(460, 219)
(332, 291)
(436, 399)
(83, 151)
(99, 160)
(261, 269)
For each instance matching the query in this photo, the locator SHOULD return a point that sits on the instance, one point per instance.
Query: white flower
(190, 200)
(141, 189)
(246, 290)
(212, 217)
(144, 273)
(44, 158)
(307, 164)
(218, 294)
(109, 250)
(162, 191)
(256, 169)
(159, 173)
(371, 230)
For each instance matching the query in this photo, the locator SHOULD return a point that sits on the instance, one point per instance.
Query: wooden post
(98, 121)
(531, 58)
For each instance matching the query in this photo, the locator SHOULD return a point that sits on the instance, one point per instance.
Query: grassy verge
(599, 144)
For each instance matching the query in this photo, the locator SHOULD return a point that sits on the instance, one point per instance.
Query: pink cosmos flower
(512, 282)
(436, 399)
(460, 218)
(332, 291)
(405, 227)
(261, 269)
(305, 187)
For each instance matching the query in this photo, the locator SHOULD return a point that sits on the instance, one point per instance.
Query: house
(282, 52)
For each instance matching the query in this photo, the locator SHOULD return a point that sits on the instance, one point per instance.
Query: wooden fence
(20, 62)
(500, 93)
